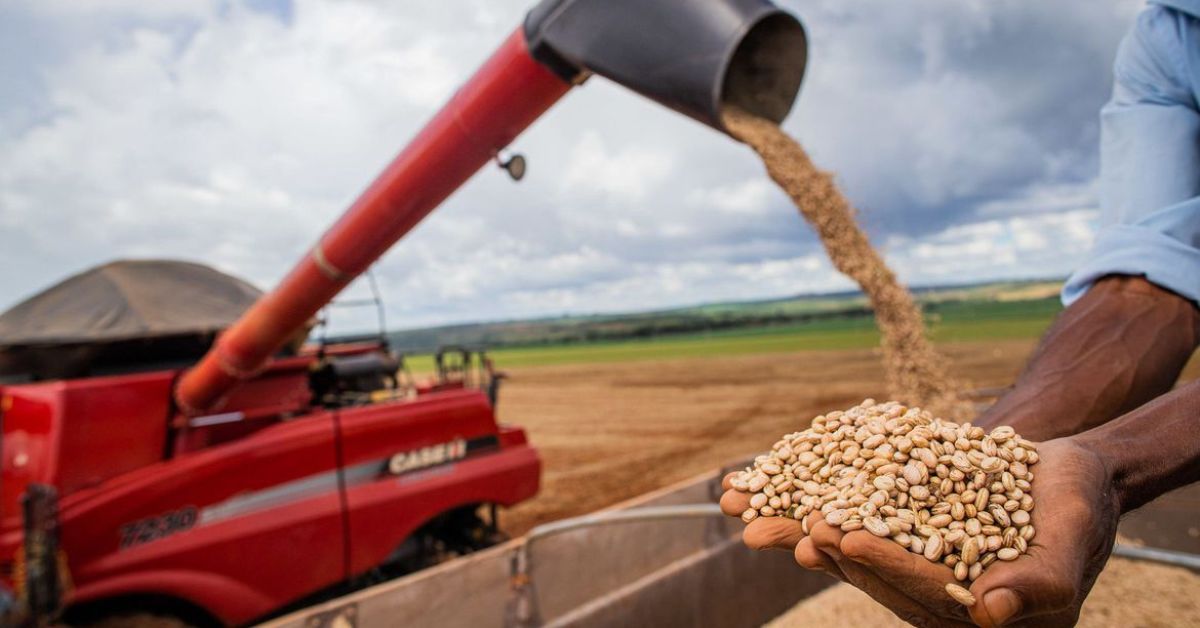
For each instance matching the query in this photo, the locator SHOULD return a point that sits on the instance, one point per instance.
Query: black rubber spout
(690, 55)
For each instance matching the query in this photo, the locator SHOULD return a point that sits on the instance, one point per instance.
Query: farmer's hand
(764, 532)
(819, 551)
(1075, 520)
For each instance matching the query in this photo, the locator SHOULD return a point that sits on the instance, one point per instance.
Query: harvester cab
(225, 489)
(344, 380)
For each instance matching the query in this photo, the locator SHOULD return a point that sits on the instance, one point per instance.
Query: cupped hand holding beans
(894, 501)
(1076, 521)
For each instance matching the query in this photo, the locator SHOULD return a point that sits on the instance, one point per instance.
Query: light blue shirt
(1187, 6)
(1150, 157)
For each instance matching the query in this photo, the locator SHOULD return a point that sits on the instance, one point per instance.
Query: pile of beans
(949, 492)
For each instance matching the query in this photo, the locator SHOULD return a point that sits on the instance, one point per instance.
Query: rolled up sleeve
(1144, 249)
(1150, 161)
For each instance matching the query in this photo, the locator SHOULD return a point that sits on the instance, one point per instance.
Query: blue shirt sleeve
(1150, 160)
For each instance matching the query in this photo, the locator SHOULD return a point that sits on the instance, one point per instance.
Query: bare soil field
(611, 431)
(1127, 594)
(608, 432)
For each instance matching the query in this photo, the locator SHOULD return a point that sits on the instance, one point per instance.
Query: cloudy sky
(233, 132)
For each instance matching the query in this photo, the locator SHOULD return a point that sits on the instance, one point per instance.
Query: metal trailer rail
(673, 560)
(521, 558)
(523, 608)
(648, 513)
(652, 513)
(1155, 555)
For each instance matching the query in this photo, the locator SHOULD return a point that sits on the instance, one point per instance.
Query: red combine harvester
(323, 469)
(257, 479)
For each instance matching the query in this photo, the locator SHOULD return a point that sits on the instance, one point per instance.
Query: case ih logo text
(432, 455)
(155, 528)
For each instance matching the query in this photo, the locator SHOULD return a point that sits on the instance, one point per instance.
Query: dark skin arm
(1121, 345)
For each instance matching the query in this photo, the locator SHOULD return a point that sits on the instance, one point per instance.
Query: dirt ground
(1128, 594)
(609, 432)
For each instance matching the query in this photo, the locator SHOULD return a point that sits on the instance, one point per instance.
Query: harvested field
(610, 431)
(1128, 593)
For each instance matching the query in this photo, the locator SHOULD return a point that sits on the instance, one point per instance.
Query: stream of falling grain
(916, 373)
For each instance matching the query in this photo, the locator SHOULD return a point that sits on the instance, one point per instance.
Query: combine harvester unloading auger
(693, 56)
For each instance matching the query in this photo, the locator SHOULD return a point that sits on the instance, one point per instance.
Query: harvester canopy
(120, 316)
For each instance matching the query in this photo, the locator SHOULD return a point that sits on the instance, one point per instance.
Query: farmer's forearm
(1119, 346)
(1153, 449)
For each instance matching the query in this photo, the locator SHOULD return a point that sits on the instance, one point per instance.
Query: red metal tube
(505, 96)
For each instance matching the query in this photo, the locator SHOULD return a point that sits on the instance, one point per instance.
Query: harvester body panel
(241, 518)
(454, 456)
(228, 528)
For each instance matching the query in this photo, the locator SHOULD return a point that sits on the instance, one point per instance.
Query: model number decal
(427, 456)
(154, 528)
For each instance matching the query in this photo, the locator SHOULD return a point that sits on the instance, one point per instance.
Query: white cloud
(627, 174)
(234, 135)
(1025, 246)
(748, 197)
